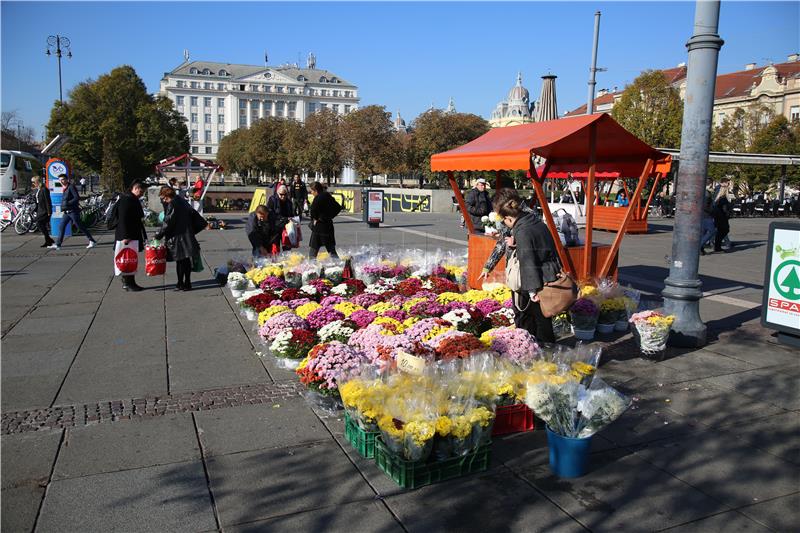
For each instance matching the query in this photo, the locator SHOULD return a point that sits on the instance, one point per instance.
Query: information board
(781, 307)
(374, 207)
(54, 168)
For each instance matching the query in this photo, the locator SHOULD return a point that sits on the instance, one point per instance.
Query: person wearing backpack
(323, 210)
(130, 227)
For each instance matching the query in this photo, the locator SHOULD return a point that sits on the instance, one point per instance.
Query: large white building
(217, 98)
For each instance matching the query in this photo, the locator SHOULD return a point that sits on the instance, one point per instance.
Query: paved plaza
(153, 411)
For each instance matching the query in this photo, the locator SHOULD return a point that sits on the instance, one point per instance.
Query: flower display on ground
(306, 309)
(271, 311)
(515, 344)
(293, 343)
(278, 323)
(327, 363)
(322, 316)
(363, 318)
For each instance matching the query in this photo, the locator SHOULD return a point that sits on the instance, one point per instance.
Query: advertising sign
(259, 198)
(54, 168)
(374, 207)
(781, 307)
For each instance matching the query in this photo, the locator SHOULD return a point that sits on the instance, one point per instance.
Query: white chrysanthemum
(457, 316)
(340, 290)
(281, 342)
(309, 289)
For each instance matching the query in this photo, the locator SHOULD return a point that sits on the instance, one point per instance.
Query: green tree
(231, 151)
(436, 131)
(118, 129)
(323, 151)
(651, 109)
(367, 135)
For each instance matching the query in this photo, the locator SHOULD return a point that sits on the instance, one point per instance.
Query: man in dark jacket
(44, 208)
(130, 227)
(478, 204)
(71, 211)
(258, 230)
(299, 193)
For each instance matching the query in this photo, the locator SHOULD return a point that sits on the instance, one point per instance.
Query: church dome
(518, 93)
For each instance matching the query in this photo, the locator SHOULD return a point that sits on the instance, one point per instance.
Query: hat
(481, 180)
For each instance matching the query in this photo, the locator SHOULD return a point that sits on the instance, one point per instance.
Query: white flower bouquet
(651, 328)
(237, 283)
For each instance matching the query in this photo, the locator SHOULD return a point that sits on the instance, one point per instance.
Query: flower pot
(250, 314)
(583, 334)
(237, 293)
(569, 457)
(605, 329)
(621, 325)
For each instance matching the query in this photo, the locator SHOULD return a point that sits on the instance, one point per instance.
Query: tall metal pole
(58, 55)
(593, 69)
(683, 287)
(59, 43)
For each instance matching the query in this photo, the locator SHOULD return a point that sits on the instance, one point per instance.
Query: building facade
(217, 98)
(516, 109)
(774, 86)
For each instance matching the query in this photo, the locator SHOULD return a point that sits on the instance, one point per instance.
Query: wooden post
(461, 204)
(548, 216)
(590, 193)
(652, 193)
(621, 233)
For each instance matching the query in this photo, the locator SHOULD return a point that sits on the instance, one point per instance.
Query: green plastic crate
(410, 475)
(363, 441)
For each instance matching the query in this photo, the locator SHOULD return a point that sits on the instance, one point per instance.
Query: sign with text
(781, 308)
(410, 364)
(374, 207)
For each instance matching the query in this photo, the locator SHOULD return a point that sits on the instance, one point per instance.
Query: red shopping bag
(155, 260)
(286, 243)
(127, 260)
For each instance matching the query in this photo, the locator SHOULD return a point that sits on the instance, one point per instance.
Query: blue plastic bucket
(569, 457)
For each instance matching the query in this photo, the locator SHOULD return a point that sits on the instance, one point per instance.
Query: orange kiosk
(591, 144)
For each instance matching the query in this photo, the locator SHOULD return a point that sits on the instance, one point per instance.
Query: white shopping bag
(293, 232)
(126, 257)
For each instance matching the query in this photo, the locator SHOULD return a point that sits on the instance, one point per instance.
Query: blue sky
(401, 55)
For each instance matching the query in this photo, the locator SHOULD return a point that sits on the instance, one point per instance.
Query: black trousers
(723, 228)
(532, 319)
(44, 227)
(184, 269)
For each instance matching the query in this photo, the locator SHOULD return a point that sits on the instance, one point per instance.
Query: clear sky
(401, 55)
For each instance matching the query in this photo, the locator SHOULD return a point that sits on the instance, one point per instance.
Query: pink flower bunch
(279, 323)
(365, 299)
(330, 301)
(273, 283)
(434, 342)
(418, 331)
(328, 363)
(362, 317)
(397, 300)
(458, 305)
(369, 338)
(294, 304)
(509, 304)
(488, 306)
(323, 287)
(515, 344)
(322, 316)
(397, 314)
(428, 309)
(275, 303)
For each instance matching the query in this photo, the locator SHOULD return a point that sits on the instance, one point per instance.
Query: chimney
(750, 66)
(793, 58)
(602, 92)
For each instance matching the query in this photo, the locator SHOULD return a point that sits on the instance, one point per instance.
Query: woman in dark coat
(44, 208)
(130, 227)
(538, 264)
(179, 233)
(322, 211)
(280, 211)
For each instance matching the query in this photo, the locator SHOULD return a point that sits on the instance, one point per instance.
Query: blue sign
(56, 167)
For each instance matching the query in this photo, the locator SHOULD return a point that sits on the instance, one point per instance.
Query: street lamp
(18, 123)
(59, 43)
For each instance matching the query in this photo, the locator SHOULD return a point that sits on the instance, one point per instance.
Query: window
(720, 118)
(336, 108)
(267, 89)
(179, 100)
(206, 71)
(346, 109)
(207, 101)
(312, 108)
(292, 109)
(194, 85)
(194, 117)
(278, 109)
(220, 102)
(223, 72)
(221, 119)
(195, 150)
(180, 84)
(220, 86)
(794, 113)
(220, 135)
(194, 136)
(335, 93)
(208, 136)
(242, 104)
(208, 85)
(254, 88)
(192, 70)
(241, 87)
(208, 149)
(243, 120)
(291, 90)
(323, 106)
(193, 99)
(207, 118)
(267, 108)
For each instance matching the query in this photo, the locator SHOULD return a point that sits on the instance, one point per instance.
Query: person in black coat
(538, 263)
(299, 194)
(182, 245)
(478, 203)
(258, 231)
(130, 227)
(280, 211)
(324, 208)
(722, 211)
(44, 208)
(71, 213)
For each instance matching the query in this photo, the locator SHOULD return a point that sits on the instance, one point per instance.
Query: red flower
(459, 346)
(291, 294)
(356, 285)
(441, 285)
(259, 302)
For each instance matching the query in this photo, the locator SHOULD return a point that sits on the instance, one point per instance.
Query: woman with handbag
(281, 211)
(179, 231)
(532, 261)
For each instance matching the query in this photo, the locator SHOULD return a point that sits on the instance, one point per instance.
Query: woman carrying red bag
(179, 234)
(155, 259)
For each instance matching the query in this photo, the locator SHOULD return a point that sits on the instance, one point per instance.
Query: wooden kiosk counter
(590, 144)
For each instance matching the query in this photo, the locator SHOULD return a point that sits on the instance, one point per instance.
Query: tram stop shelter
(595, 145)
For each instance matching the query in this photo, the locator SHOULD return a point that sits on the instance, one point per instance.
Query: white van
(16, 171)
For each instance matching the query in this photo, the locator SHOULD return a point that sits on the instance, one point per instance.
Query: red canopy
(563, 142)
(191, 161)
(582, 175)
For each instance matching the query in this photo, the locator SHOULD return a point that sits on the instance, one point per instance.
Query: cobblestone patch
(65, 416)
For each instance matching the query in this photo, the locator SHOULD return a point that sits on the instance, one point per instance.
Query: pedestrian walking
(83, 185)
(44, 208)
(478, 203)
(71, 210)
(130, 232)
(722, 212)
(538, 264)
(178, 231)
(323, 210)
(707, 225)
(259, 231)
(280, 212)
(299, 193)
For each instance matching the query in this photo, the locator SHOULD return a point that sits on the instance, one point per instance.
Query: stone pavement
(152, 411)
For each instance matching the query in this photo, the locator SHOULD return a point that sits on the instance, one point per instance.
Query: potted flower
(611, 310)
(583, 314)
(651, 330)
(292, 345)
(237, 283)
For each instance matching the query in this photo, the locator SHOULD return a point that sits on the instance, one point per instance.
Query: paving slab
(30, 392)
(721, 523)
(127, 444)
(253, 427)
(53, 325)
(779, 385)
(522, 450)
(638, 374)
(493, 501)
(775, 434)
(261, 484)
(726, 469)
(648, 420)
(27, 459)
(705, 363)
(113, 382)
(612, 498)
(358, 517)
(41, 343)
(780, 514)
(217, 371)
(19, 508)
(171, 497)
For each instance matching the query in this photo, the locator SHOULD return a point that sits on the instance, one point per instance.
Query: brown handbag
(557, 296)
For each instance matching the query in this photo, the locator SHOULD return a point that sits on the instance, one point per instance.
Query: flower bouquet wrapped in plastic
(237, 283)
(651, 329)
(515, 344)
(322, 369)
